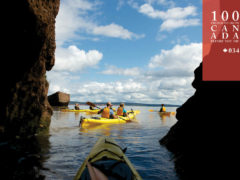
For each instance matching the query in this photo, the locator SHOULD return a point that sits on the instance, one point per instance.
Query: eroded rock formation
(30, 47)
(59, 99)
(28, 44)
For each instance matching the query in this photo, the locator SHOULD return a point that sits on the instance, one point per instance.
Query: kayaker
(108, 112)
(76, 107)
(121, 111)
(162, 109)
(91, 108)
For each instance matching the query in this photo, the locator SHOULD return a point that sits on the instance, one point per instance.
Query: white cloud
(173, 13)
(172, 24)
(60, 81)
(169, 80)
(111, 70)
(77, 17)
(173, 90)
(181, 58)
(73, 17)
(173, 18)
(110, 91)
(116, 31)
(73, 59)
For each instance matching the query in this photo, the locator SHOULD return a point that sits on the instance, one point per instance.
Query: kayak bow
(109, 159)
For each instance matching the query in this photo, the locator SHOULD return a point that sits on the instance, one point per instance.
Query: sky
(142, 51)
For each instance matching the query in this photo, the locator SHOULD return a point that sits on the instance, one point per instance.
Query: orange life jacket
(120, 111)
(106, 113)
(163, 109)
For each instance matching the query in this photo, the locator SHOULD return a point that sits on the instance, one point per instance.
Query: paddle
(128, 120)
(92, 104)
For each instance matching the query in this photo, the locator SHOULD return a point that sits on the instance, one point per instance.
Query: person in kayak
(108, 112)
(76, 107)
(91, 108)
(121, 111)
(162, 109)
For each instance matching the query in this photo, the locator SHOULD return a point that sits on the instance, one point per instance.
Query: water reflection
(23, 158)
(167, 118)
(104, 129)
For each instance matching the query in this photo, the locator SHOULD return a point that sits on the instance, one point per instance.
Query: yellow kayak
(167, 113)
(107, 159)
(100, 120)
(81, 110)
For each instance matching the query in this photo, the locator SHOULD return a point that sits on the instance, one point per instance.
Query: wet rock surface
(23, 158)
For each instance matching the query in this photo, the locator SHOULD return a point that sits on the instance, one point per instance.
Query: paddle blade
(90, 104)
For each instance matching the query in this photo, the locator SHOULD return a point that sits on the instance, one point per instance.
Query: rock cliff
(204, 140)
(29, 46)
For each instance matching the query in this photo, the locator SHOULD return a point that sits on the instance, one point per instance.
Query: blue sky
(141, 51)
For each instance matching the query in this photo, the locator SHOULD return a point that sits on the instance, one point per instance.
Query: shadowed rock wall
(205, 140)
(30, 46)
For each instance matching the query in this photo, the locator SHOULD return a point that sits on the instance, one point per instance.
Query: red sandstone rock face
(30, 48)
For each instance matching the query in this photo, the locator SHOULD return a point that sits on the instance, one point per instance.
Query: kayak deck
(108, 157)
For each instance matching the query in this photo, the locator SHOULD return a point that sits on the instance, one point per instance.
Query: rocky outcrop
(204, 140)
(29, 49)
(59, 99)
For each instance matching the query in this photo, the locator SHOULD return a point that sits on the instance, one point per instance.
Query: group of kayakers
(108, 112)
(77, 107)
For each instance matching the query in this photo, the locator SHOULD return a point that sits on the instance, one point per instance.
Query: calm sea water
(70, 144)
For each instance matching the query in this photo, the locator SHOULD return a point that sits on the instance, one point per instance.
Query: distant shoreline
(126, 103)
